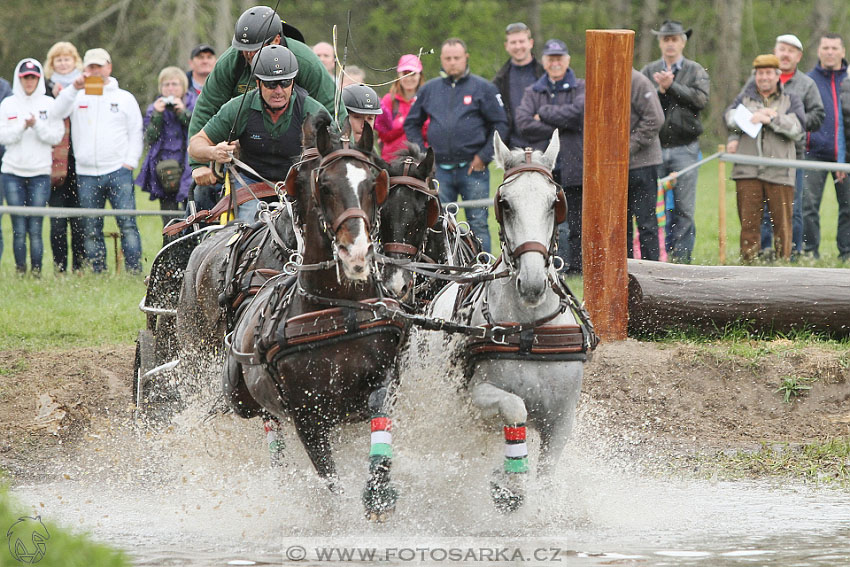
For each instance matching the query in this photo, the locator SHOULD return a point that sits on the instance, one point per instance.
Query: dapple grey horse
(539, 391)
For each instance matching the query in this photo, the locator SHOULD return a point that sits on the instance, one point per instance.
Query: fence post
(721, 212)
(606, 176)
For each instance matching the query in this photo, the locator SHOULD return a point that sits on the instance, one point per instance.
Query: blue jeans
(796, 221)
(27, 192)
(681, 230)
(476, 185)
(814, 182)
(117, 187)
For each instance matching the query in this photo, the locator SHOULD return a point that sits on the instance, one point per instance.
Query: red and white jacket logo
(467, 99)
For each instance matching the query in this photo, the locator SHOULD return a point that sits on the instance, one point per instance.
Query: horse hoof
(378, 517)
(505, 499)
(379, 502)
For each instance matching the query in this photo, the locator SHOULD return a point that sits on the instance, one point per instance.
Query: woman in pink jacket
(396, 104)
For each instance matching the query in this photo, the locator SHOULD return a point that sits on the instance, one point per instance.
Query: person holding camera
(164, 173)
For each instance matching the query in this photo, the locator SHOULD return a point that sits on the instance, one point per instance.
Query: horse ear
(367, 139)
(323, 141)
(308, 133)
(551, 154)
(426, 166)
(382, 187)
(502, 152)
(289, 184)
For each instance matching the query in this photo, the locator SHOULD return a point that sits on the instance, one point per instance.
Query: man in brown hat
(779, 117)
(682, 87)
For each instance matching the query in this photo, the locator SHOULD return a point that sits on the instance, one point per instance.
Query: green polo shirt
(218, 127)
(231, 76)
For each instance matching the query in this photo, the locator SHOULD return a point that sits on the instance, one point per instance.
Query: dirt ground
(694, 398)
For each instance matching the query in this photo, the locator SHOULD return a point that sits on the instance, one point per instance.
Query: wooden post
(721, 212)
(606, 175)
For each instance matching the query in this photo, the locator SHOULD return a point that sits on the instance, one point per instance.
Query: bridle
(560, 210)
(380, 188)
(426, 187)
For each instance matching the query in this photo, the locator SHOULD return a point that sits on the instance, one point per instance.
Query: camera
(169, 101)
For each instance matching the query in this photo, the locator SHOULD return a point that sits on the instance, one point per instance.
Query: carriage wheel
(145, 361)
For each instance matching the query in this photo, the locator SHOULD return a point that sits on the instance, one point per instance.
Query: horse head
(529, 205)
(339, 191)
(412, 207)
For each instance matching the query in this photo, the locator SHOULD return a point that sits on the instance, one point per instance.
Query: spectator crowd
(74, 138)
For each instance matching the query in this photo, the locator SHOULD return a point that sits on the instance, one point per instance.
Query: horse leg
(271, 427)
(313, 432)
(508, 487)
(555, 431)
(379, 496)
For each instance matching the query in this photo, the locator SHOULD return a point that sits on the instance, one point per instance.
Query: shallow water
(201, 493)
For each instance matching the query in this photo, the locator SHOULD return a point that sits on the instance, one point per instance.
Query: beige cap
(96, 56)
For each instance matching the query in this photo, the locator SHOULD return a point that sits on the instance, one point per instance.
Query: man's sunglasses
(272, 85)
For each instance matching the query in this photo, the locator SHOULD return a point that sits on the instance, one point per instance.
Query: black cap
(203, 48)
(672, 27)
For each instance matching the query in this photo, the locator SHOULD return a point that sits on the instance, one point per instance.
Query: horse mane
(517, 157)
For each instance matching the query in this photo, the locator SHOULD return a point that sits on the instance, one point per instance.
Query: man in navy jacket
(827, 144)
(465, 111)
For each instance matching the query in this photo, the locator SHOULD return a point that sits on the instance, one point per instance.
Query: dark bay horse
(225, 271)
(313, 347)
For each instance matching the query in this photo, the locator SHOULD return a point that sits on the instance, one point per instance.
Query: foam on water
(201, 491)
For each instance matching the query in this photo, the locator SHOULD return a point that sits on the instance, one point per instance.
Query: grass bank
(61, 549)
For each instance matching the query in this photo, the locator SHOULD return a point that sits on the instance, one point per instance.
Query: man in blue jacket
(827, 144)
(465, 111)
(556, 102)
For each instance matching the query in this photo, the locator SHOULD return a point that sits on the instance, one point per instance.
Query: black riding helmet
(361, 99)
(273, 63)
(255, 27)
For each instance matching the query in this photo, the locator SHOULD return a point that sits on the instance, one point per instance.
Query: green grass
(61, 549)
(826, 462)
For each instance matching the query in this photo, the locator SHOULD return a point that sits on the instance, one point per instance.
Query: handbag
(168, 173)
(59, 171)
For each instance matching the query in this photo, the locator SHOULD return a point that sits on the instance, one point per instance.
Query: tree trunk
(728, 61)
(665, 296)
(535, 25)
(646, 41)
(188, 38)
(224, 23)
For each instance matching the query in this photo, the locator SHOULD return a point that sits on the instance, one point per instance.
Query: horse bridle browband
(560, 207)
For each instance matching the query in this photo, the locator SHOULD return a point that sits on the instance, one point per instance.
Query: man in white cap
(106, 130)
(789, 51)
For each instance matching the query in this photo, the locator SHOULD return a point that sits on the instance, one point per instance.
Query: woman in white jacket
(28, 129)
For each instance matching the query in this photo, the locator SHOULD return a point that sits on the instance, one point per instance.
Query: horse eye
(505, 205)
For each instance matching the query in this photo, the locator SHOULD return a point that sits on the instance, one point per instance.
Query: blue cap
(555, 47)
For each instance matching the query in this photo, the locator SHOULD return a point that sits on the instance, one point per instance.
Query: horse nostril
(359, 269)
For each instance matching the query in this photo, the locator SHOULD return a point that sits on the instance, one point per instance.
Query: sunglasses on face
(272, 85)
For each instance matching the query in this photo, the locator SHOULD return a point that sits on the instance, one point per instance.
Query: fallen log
(675, 296)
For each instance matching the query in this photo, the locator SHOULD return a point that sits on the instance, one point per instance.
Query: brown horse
(313, 347)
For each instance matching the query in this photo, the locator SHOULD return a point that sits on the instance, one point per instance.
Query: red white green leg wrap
(272, 429)
(516, 450)
(382, 437)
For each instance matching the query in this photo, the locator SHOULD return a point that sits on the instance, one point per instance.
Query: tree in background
(146, 35)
